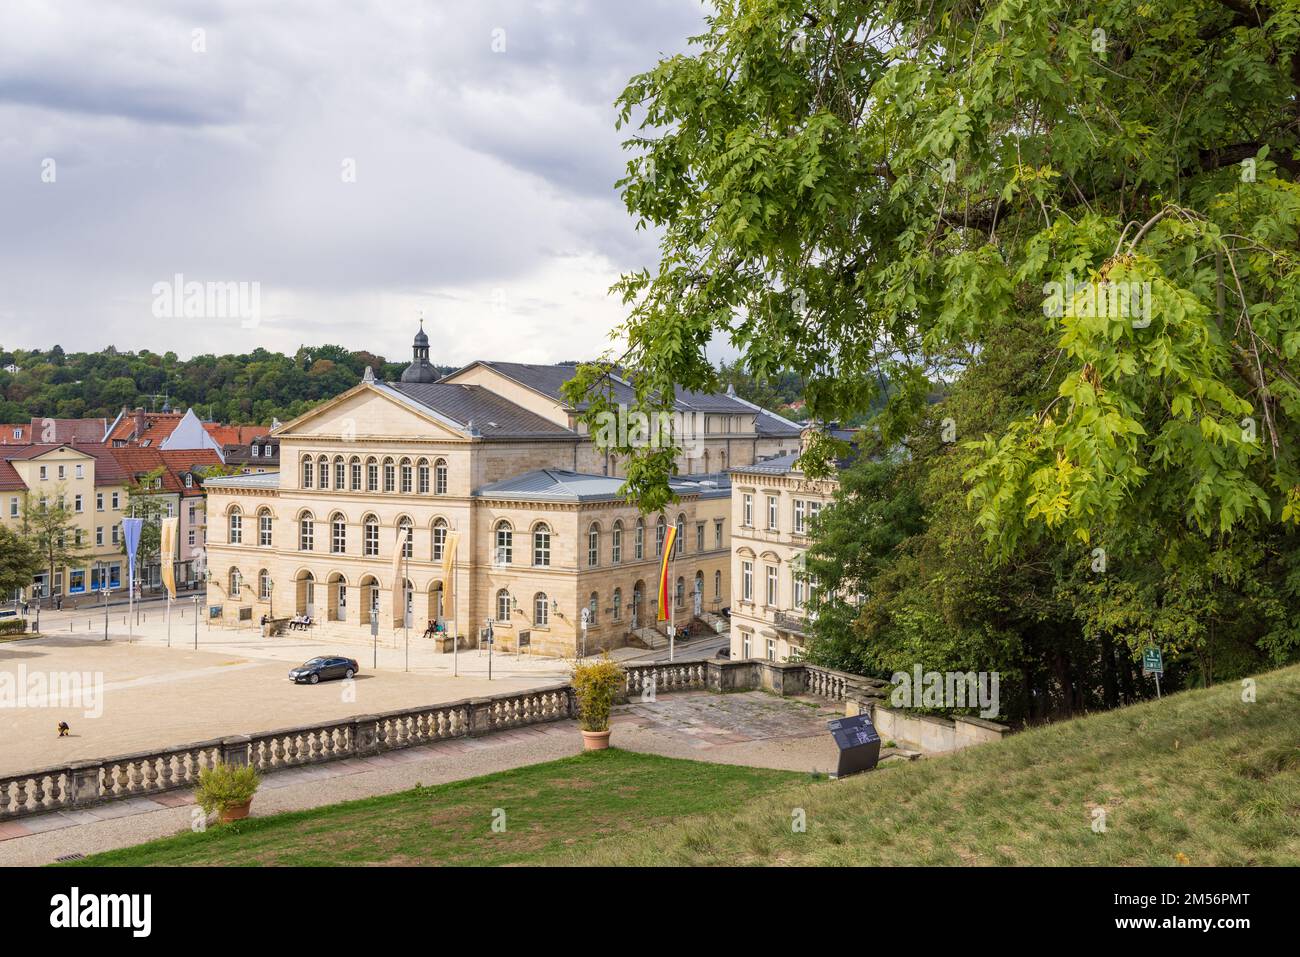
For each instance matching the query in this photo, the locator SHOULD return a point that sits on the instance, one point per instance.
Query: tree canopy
(859, 187)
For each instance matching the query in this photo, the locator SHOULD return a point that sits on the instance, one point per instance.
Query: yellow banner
(167, 542)
(665, 589)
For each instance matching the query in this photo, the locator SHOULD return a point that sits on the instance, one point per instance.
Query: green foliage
(253, 387)
(225, 785)
(598, 684)
(20, 559)
(50, 526)
(863, 188)
(12, 626)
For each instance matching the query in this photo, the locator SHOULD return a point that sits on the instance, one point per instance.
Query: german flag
(665, 589)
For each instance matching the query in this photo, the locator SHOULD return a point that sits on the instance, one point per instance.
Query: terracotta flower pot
(235, 812)
(595, 740)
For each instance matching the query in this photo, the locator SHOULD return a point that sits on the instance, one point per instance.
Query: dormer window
(189, 481)
(254, 450)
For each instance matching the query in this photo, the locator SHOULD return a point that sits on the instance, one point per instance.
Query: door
(309, 599)
(341, 610)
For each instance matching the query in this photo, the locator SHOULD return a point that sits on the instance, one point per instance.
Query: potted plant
(597, 684)
(227, 789)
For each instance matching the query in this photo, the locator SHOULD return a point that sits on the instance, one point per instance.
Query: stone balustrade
(139, 775)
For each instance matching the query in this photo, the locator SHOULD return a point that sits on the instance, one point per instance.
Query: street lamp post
(196, 622)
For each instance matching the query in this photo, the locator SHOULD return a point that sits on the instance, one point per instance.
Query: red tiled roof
(68, 430)
(157, 427)
(7, 433)
(236, 434)
(135, 462)
(107, 470)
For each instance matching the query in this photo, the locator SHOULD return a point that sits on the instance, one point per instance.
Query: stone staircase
(714, 621)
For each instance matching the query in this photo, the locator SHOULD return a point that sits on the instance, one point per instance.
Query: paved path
(750, 728)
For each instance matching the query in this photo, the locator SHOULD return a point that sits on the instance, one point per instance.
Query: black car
(317, 668)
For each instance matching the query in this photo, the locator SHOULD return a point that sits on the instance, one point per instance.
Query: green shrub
(12, 626)
(597, 685)
(225, 786)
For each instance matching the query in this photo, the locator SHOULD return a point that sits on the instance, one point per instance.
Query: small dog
(63, 729)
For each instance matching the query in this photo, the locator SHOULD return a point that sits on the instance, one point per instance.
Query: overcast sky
(133, 149)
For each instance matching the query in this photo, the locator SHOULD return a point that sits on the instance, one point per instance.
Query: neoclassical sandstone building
(493, 459)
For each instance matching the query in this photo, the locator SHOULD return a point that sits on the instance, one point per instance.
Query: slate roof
(779, 465)
(259, 480)
(491, 415)
(558, 485)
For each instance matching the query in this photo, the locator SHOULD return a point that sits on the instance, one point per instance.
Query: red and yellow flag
(665, 590)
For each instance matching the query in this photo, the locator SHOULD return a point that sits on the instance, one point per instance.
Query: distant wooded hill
(251, 388)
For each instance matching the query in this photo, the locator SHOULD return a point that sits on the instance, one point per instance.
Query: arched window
(618, 604)
(408, 477)
(541, 609)
(338, 534)
(354, 467)
(405, 535)
(681, 592)
(307, 472)
(422, 477)
(639, 544)
(340, 473)
(236, 580)
(717, 584)
(372, 475)
(661, 531)
(370, 535)
(679, 543)
(593, 605)
(593, 545)
(306, 532)
(324, 472)
(542, 546)
(505, 544)
(390, 475)
(236, 536)
(439, 538)
(440, 477)
(503, 605)
(616, 543)
(264, 585)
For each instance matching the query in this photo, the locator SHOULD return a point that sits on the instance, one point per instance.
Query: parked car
(317, 668)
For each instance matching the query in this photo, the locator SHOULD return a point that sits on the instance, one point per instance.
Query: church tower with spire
(420, 369)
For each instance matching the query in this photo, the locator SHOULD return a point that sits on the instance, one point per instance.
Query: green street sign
(1152, 662)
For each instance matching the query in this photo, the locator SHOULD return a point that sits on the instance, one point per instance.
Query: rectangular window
(699, 536)
(99, 501)
(306, 534)
(45, 473)
(371, 538)
(744, 645)
(372, 477)
(99, 534)
(264, 530)
(616, 547)
(63, 472)
(81, 471)
(747, 511)
(117, 534)
(640, 542)
(771, 586)
(771, 649)
(800, 511)
(356, 476)
(116, 502)
(593, 548)
(798, 589)
(746, 581)
(191, 537)
(13, 506)
(773, 504)
(717, 533)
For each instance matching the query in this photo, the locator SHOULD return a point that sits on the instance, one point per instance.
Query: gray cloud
(482, 177)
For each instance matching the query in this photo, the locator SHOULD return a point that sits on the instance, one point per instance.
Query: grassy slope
(1199, 774)
(550, 808)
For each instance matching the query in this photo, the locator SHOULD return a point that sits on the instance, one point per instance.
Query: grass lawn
(550, 808)
(1200, 778)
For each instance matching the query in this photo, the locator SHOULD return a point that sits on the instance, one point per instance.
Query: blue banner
(131, 532)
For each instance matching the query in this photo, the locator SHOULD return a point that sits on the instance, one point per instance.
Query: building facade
(93, 489)
(545, 547)
(772, 505)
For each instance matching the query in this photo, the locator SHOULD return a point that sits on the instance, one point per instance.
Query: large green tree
(19, 561)
(51, 527)
(850, 187)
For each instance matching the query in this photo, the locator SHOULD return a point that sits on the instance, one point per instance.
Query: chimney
(139, 424)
